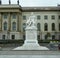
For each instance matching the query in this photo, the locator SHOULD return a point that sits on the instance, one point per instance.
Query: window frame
(14, 26)
(53, 28)
(5, 26)
(5, 16)
(45, 17)
(59, 17)
(59, 26)
(24, 17)
(38, 37)
(38, 26)
(12, 37)
(53, 37)
(53, 17)
(46, 27)
(24, 26)
(38, 17)
(3, 37)
(13, 16)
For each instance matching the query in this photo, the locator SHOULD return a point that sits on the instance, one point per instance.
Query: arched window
(24, 26)
(38, 26)
(14, 26)
(46, 27)
(53, 26)
(5, 25)
(59, 26)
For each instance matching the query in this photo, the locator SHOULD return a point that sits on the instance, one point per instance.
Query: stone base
(31, 46)
(31, 42)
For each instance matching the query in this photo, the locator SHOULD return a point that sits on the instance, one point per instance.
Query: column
(0, 26)
(9, 23)
(18, 22)
(0, 22)
(9, 26)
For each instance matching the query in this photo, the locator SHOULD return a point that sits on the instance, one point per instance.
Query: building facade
(13, 22)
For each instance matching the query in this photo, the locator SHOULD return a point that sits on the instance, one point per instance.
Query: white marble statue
(31, 42)
(31, 22)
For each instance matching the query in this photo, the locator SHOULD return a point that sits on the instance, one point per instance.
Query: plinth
(31, 42)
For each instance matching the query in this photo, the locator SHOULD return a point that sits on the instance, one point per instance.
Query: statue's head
(32, 15)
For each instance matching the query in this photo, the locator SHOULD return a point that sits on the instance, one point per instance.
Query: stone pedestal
(31, 35)
(31, 42)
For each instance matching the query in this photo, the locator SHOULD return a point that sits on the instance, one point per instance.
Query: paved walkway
(29, 52)
(29, 56)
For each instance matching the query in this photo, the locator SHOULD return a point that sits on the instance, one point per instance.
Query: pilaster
(18, 22)
(9, 22)
(0, 22)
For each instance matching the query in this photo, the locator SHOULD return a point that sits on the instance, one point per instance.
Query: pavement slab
(29, 52)
(29, 56)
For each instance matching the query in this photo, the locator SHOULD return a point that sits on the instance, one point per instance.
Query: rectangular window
(13, 37)
(38, 17)
(45, 17)
(38, 27)
(14, 16)
(59, 37)
(45, 27)
(14, 26)
(46, 37)
(24, 37)
(24, 17)
(52, 17)
(24, 26)
(3, 37)
(59, 17)
(53, 37)
(59, 26)
(5, 16)
(38, 37)
(5, 26)
(23, 29)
